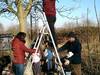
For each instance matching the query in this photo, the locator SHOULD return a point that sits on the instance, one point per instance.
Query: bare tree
(19, 8)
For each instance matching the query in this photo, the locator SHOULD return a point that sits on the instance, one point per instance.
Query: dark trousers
(36, 68)
(51, 21)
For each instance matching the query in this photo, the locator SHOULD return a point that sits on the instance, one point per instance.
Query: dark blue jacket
(74, 47)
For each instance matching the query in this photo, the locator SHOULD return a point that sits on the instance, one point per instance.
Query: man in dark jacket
(73, 46)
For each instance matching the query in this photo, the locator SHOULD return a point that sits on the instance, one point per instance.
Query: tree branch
(6, 1)
(28, 7)
(2, 11)
(10, 9)
(16, 2)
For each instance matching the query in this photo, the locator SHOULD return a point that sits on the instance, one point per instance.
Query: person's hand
(60, 64)
(42, 62)
(67, 40)
(72, 39)
(67, 62)
(36, 49)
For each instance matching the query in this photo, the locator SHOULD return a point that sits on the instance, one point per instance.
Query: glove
(67, 62)
(70, 54)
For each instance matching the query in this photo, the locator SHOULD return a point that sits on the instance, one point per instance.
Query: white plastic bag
(35, 57)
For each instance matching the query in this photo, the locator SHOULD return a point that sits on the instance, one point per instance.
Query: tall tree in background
(97, 19)
(20, 9)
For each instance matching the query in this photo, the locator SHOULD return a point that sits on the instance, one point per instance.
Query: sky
(80, 11)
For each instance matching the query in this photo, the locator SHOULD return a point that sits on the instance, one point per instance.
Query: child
(48, 58)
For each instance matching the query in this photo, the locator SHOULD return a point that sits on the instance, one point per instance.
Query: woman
(19, 49)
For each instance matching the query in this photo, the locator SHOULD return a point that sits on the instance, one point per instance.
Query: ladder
(39, 39)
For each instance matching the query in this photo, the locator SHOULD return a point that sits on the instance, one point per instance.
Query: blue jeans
(49, 65)
(18, 69)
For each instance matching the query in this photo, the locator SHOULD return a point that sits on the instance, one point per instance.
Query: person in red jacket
(50, 11)
(19, 49)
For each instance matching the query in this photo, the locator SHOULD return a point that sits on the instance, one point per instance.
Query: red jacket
(19, 50)
(49, 7)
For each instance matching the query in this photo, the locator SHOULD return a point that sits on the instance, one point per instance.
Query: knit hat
(70, 34)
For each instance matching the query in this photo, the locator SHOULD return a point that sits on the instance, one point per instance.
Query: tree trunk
(22, 24)
(21, 18)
